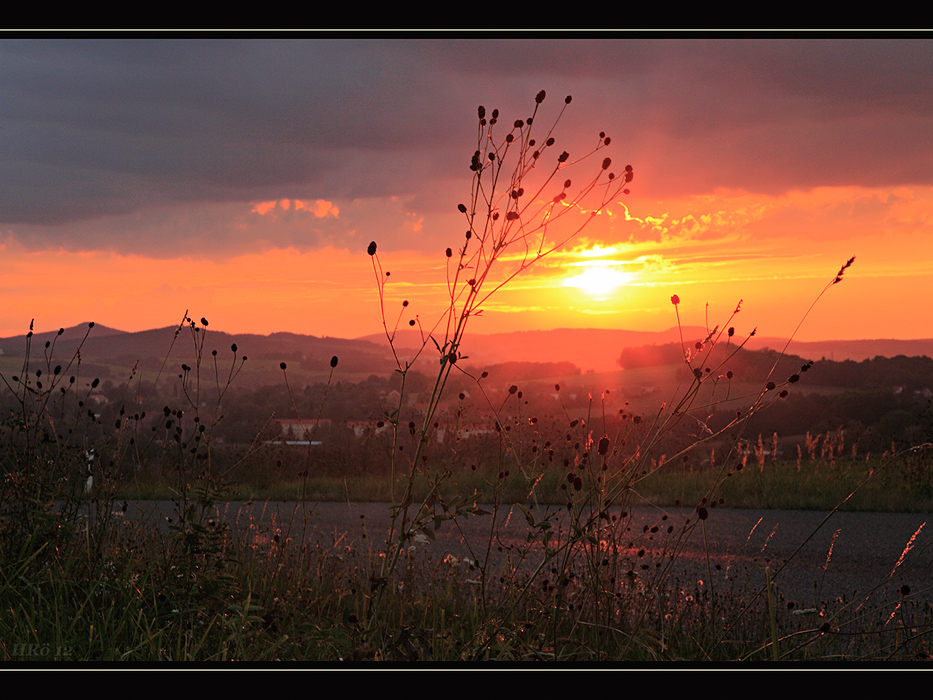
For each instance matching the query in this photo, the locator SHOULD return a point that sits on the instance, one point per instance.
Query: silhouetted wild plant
(54, 449)
(523, 205)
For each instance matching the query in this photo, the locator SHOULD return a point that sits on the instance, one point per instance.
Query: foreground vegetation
(79, 581)
(115, 591)
(903, 485)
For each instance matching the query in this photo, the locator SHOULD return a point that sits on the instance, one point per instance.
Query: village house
(301, 432)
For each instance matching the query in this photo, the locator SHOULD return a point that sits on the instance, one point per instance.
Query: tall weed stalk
(523, 205)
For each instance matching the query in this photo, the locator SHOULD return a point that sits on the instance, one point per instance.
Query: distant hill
(598, 350)
(64, 339)
(858, 350)
(589, 349)
(112, 353)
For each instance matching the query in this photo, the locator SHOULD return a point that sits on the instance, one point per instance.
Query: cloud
(166, 145)
(319, 208)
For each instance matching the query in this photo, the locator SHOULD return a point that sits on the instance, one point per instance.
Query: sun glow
(599, 279)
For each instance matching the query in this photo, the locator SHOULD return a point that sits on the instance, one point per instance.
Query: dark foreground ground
(736, 547)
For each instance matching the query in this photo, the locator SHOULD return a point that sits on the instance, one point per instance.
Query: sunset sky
(242, 179)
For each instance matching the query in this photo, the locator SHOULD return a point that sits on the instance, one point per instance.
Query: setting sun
(599, 279)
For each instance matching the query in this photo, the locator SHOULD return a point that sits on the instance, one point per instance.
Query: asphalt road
(814, 556)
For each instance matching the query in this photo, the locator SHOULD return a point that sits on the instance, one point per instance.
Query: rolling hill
(112, 354)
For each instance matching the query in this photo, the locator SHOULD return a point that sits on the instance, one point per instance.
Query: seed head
(602, 447)
(333, 361)
(843, 269)
(675, 300)
(372, 248)
(539, 98)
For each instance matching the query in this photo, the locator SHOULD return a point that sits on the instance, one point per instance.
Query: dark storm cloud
(104, 128)
(92, 128)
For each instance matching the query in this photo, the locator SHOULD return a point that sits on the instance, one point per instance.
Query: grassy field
(900, 486)
(99, 590)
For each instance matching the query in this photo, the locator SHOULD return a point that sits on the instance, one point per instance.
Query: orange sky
(242, 181)
(766, 251)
